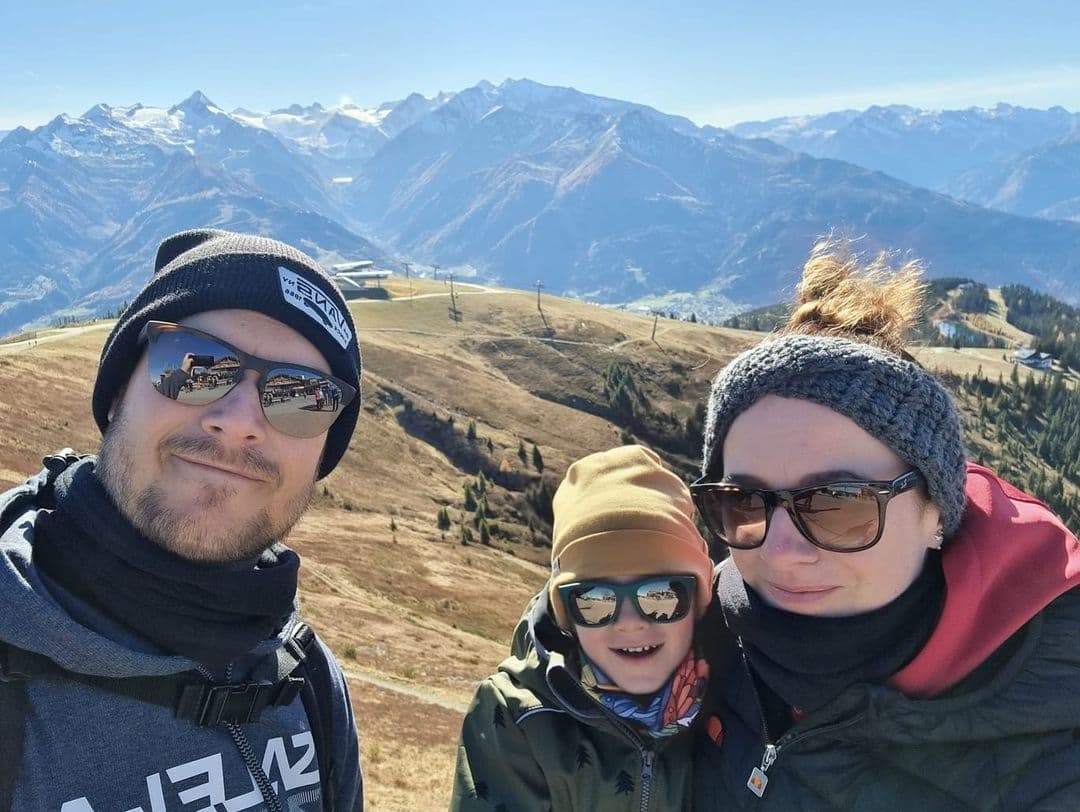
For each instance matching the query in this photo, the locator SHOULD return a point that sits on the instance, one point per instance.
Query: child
(586, 712)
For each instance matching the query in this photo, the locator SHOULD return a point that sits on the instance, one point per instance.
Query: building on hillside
(1033, 358)
(947, 329)
(354, 275)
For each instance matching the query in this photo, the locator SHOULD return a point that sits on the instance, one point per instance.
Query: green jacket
(534, 739)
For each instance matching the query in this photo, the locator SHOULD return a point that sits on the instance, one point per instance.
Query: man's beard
(191, 535)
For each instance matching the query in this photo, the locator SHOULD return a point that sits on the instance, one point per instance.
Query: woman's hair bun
(842, 295)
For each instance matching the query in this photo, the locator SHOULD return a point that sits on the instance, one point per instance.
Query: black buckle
(209, 705)
(226, 704)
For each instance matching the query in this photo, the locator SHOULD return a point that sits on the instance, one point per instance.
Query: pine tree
(444, 519)
(521, 453)
(470, 433)
(537, 459)
(470, 500)
(583, 757)
(485, 534)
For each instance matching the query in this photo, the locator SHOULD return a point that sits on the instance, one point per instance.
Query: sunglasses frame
(263, 366)
(622, 591)
(884, 491)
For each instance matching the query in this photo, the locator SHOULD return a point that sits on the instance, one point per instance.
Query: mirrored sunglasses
(657, 599)
(841, 517)
(196, 368)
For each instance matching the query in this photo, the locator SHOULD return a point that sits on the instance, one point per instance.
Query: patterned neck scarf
(665, 713)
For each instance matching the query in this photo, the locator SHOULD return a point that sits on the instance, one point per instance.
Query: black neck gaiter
(209, 612)
(808, 660)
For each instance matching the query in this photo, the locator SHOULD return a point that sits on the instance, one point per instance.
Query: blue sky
(715, 62)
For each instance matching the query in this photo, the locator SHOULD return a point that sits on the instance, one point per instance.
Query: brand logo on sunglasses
(309, 299)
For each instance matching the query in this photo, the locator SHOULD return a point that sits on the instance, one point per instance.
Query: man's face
(213, 482)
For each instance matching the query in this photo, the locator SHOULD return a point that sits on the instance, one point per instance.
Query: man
(151, 655)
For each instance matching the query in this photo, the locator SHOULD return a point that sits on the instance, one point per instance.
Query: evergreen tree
(521, 452)
(470, 434)
(470, 499)
(537, 459)
(444, 519)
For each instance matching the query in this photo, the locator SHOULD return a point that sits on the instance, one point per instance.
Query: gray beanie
(894, 400)
(208, 269)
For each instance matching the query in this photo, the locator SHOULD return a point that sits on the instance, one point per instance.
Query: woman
(895, 628)
(593, 709)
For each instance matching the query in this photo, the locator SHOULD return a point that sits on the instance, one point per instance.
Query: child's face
(615, 648)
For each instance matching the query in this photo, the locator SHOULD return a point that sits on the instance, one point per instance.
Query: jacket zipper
(646, 777)
(647, 753)
(759, 779)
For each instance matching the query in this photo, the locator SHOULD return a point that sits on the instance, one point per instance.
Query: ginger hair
(841, 295)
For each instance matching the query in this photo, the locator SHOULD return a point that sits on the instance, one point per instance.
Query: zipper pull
(758, 779)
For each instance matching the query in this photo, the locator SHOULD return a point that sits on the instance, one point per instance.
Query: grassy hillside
(453, 409)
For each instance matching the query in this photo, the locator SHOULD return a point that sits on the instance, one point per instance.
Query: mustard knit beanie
(622, 513)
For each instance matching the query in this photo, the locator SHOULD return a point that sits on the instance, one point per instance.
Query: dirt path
(414, 691)
(48, 336)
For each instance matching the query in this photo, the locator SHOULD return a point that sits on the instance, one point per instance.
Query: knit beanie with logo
(622, 513)
(209, 269)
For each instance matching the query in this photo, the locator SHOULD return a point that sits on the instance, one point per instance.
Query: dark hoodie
(87, 750)
(986, 716)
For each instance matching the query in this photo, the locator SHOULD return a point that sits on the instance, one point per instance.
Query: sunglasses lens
(841, 516)
(191, 369)
(738, 517)
(195, 369)
(299, 402)
(594, 605)
(664, 600)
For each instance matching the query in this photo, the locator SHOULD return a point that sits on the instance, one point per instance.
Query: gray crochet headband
(894, 400)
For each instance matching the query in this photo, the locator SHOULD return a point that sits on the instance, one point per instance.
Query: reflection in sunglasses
(196, 368)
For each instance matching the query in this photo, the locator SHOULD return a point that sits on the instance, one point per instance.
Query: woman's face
(781, 443)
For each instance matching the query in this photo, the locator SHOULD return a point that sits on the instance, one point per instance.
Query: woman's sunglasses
(841, 517)
(657, 598)
(196, 368)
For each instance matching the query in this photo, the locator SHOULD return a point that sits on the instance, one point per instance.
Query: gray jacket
(88, 750)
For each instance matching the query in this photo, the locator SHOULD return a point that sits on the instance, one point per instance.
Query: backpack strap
(317, 695)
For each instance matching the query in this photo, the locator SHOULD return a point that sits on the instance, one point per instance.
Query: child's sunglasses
(196, 368)
(657, 598)
(841, 517)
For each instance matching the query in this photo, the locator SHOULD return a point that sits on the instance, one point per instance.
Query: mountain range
(599, 198)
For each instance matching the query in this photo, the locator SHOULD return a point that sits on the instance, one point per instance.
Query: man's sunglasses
(196, 368)
(657, 598)
(841, 517)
